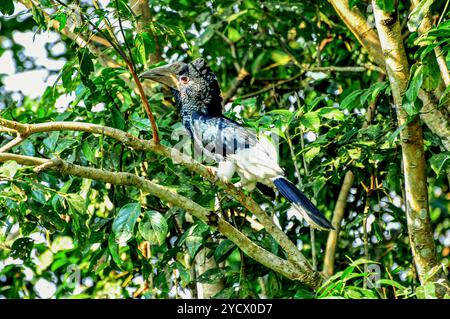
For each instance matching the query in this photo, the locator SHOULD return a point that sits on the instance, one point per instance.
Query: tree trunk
(420, 233)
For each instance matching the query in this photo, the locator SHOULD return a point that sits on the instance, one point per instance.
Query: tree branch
(293, 254)
(284, 267)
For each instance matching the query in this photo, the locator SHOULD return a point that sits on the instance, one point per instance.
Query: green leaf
(154, 228)
(7, 7)
(223, 250)
(193, 238)
(211, 276)
(46, 3)
(391, 283)
(142, 124)
(416, 16)
(113, 248)
(67, 75)
(21, 248)
(118, 120)
(332, 113)
(89, 152)
(62, 20)
(349, 101)
(206, 35)
(9, 169)
(85, 60)
(236, 15)
(27, 147)
(311, 121)
(280, 57)
(39, 196)
(411, 104)
(50, 142)
(37, 16)
(440, 162)
(124, 222)
(311, 153)
(145, 46)
(76, 203)
(386, 5)
(234, 34)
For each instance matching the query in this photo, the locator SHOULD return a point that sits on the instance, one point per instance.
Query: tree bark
(357, 23)
(422, 244)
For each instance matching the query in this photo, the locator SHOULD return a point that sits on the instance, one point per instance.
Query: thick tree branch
(365, 35)
(129, 140)
(282, 266)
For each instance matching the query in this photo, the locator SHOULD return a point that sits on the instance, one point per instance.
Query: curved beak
(166, 74)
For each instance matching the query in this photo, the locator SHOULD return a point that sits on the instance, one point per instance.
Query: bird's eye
(184, 79)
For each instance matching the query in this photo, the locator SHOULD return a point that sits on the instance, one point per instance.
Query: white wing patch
(257, 163)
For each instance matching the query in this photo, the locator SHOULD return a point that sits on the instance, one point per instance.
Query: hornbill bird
(235, 148)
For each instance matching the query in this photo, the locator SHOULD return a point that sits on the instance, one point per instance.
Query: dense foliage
(290, 67)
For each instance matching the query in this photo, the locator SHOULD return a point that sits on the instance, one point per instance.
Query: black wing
(220, 136)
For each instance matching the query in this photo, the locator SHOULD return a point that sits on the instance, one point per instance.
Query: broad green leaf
(332, 113)
(85, 61)
(280, 57)
(9, 169)
(7, 7)
(386, 5)
(311, 121)
(211, 276)
(124, 222)
(234, 34)
(76, 202)
(51, 141)
(62, 20)
(417, 15)
(193, 237)
(27, 147)
(411, 104)
(39, 196)
(118, 120)
(89, 152)
(350, 100)
(223, 250)
(21, 248)
(154, 228)
(439, 162)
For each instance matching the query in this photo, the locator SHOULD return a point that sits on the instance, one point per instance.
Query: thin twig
(19, 139)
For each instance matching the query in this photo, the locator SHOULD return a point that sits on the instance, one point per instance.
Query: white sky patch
(30, 83)
(7, 65)
(44, 288)
(63, 102)
(98, 107)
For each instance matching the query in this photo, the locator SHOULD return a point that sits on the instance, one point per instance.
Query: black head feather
(201, 91)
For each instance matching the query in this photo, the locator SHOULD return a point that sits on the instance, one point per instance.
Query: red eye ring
(184, 79)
